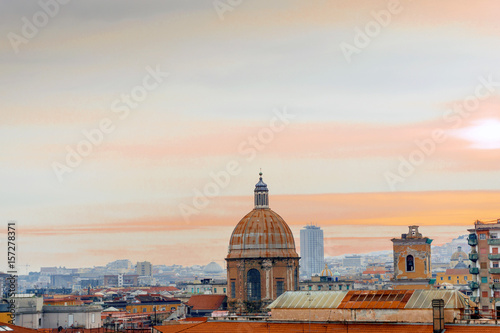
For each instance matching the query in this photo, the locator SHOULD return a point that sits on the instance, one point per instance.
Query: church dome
(212, 268)
(459, 255)
(262, 232)
(326, 271)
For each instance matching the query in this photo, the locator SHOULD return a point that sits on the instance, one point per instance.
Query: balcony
(495, 256)
(494, 241)
(472, 240)
(495, 270)
(474, 270)
(495, 285)
(473, 257)
(473, 285)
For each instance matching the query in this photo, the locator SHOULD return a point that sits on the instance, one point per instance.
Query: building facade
(485, 259)
(412, 261)
(311, 250)
(262, 262)
(352, 261)
(144, 268)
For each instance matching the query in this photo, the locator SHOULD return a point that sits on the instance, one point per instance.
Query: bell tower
(412, 260)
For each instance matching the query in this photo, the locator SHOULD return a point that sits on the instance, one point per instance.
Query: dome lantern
(261, 194)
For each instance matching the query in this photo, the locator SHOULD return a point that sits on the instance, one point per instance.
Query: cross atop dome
(261, 194)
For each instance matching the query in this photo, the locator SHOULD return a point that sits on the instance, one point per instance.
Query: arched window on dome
(253, 285)
(410, 264)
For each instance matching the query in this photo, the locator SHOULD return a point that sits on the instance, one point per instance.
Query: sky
(137, 129)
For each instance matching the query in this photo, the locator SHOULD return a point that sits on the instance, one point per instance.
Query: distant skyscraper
(144, 268)
(311, 250)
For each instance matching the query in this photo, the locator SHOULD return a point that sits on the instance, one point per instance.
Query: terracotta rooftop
(206, 302)
(265, 327)
(458, 271)
(15, 328)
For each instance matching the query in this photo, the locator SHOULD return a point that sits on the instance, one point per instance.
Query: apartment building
(485, 259)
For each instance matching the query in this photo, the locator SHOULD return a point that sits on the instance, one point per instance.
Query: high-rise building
(144, 268)
(311, 250)
(484, 240)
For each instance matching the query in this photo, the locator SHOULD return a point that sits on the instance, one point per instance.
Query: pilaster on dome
(261, 194)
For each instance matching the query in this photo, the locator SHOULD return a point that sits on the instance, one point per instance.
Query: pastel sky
(403, 130)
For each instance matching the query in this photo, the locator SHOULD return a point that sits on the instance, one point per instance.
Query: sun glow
(484, 134)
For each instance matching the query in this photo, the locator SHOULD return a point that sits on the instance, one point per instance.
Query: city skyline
(137, 130)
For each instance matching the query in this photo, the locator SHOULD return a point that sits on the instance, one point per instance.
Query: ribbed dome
(459, 254)
(326, 271)
(212, 268)
(262, 233)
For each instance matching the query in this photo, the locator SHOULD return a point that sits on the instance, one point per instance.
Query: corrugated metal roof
(422, 299)
(309, 300)
(369, 299)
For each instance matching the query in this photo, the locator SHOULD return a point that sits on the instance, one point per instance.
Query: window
(484, 265)
(449, 278)
(482, 236)
(410, 266)
(340, 287)
(495, 235)
(465, 277)
(144, 309)
(484, 294)
(135, 310)
(330, 287)
(93, 317)
(224, 290)
(192, 290)
(347, 287)
(319, 287)
(198, 290)
(173, 308)
(233, 289)
(441, 278)
(484, 279)
(494, 250)
(310, 287)
(496, 280)
(495, 264)
(297, 278)
(215, 290)
(280, 287)
(154, 308)
(253, 285)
